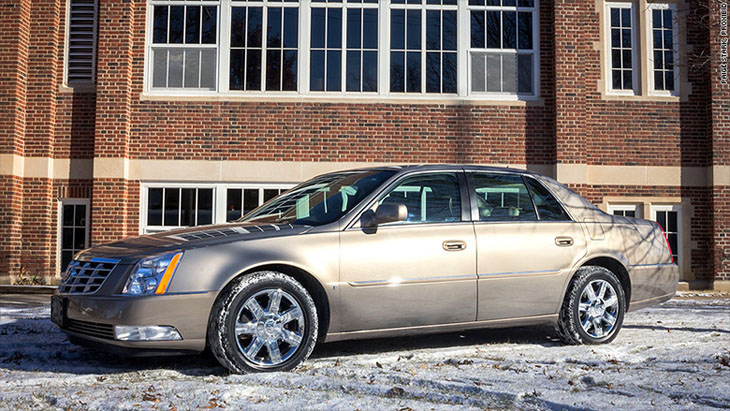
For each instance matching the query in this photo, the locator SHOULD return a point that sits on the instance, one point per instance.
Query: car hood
(133, 248)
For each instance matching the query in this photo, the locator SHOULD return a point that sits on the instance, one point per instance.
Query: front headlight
(152, 275)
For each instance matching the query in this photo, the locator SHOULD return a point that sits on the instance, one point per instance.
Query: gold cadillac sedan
(376, 252)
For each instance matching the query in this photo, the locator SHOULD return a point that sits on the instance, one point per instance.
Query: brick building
(121, 117)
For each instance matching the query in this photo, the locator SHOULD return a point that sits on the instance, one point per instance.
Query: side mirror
(386, 213)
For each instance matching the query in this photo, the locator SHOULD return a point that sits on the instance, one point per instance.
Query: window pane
(270, 193)
(370, 71)
(175, 74)
(234, 202)
(433, 30)
(67, 238)
(273, 70)
(502, 197)
(160, 25)
(291, 27)
(397, 29)
(352, 71)
(253, 69)
(192, 25)
(159, 75)
(316, 71)
(509, 30)
(79, 238)
(205, 206)
(209, 25)
(192, 66)
(254, 27)
(413, 70)
(449, 30)
(187, 207)
(318, 27)
(334, 70)
(208, 70)
(477, 29)
(177, 19)
(172, 205)
(433, 72)
(494, 32)
(353, 28)
(250, 200)
(370, 29)
(672, 221)
(509, 73)
(289, 76)
(238, 26)
(429, 198)
(448, 72)
(68, 215)
(478, 73)
(413, 39)
(334, 28)
(494, 72)
(154, 206)
(397, 71)
(548, 208)
(659, 80)
(524, 80)
(669, 80)
(628, 80)
(273, 27)
(525, 31)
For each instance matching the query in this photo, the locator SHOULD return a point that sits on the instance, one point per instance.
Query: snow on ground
(673, 356)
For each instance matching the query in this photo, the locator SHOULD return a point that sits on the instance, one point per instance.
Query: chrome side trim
(430, 329)
(651, 265)
(398, 281)
(519, 273)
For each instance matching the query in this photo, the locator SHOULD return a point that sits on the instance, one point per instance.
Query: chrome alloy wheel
(271, 318)
(598, 308)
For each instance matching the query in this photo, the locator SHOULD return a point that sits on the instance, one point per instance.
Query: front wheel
(265, 321)
(593, 309)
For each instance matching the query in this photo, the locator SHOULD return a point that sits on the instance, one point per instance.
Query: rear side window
(502, 197)
(430, 198)
(548, 208)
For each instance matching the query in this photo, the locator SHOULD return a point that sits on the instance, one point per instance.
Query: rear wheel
(593, 309)
(265, 321)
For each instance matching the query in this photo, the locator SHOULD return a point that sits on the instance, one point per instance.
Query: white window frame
(680, 228)
(650, 47)
(219, 199)
(66, 46)
(303, 77)
(636, 208)
(634, 49)
(465, 43)
(59, 246)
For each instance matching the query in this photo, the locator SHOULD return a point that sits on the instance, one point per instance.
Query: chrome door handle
(563, 241)
(454, 245)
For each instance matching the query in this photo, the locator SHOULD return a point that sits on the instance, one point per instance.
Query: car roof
(436, 167)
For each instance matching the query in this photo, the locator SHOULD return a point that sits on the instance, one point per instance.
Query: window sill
(346, 99)
(640, 98)
(77, 88)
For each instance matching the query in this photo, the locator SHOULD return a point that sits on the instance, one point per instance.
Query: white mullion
(463, 48)
(264, 44)
(424, 22)
(383, 48)
(304, 46)
(343, 45)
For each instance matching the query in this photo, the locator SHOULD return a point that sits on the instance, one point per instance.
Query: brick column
(109, 204)
(720, 116)
(40, 205)
(573, 40)
(14, 39)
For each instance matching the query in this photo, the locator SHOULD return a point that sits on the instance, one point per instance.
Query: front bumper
(89, 320)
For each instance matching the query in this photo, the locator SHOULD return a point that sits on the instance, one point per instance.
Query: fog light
(145, 333)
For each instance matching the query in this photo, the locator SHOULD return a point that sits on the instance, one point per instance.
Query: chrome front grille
(86, 277)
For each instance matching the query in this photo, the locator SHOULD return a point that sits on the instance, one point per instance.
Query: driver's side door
(418, 272)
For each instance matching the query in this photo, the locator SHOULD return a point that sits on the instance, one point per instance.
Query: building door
(74, 229)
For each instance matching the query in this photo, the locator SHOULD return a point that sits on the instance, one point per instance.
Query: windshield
(322, 200)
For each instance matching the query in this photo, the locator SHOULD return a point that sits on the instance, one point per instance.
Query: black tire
(569, 327)
(222, 338)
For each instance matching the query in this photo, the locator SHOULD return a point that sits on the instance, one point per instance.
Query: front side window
(429, 198)
(184, 45)
(502, 197)
(663, 48)
(321, 200)
(502, 50)
(264, 45)
(621, 47)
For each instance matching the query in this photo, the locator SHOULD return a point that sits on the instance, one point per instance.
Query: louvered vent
(81, 42)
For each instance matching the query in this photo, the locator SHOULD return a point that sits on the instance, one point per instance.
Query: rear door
(526, 246)
(413, 273)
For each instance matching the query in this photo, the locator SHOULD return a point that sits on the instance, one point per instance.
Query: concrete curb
(27, 289)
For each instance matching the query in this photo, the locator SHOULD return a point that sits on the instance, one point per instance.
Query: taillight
(666, 240)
